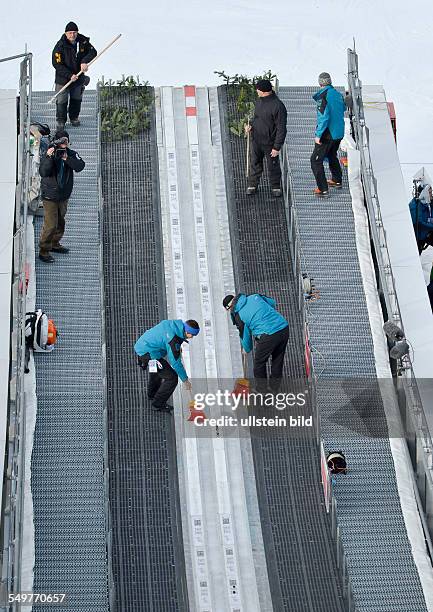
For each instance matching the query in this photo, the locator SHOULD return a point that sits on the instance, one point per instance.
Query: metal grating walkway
(381, 567)
(68, 452)
(299, 548)
(147, 551)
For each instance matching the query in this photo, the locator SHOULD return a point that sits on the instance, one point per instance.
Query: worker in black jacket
(268, 130)
(71, 54)
(57, 169)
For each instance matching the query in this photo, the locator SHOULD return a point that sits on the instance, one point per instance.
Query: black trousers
(75, 95)
(423, 243)
(258, 152)
(329, 149)
(274, 346)
(161, 384)
(430, 293)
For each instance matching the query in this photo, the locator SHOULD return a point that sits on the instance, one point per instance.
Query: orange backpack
(41, 332)
(52, 332)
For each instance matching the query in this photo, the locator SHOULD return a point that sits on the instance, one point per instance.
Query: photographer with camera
(57, 171)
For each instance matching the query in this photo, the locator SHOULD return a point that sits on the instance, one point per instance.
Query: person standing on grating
(57, 169)
(71, 54)
(256, 317)
(267, 131)
(329, 133)
(160, 342)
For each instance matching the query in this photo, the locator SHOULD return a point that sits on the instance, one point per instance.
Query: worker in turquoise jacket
(329, 133)
(256, 317)
(160, 342)
(422, 219)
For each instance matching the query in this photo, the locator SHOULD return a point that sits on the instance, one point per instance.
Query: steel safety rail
(298, 265)
(418, 438)
(108, 522)
(13, 489)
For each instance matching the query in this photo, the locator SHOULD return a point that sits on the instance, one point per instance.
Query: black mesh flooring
(147, 550)
(299, 549)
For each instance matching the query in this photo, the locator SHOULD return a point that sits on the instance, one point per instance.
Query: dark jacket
(54, 185)
(330, 113)
(67, 58)
(164, 340)
(421, 213)
(255, 315)
(422, 219)
(269, 122)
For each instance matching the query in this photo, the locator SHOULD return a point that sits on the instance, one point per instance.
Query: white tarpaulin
(8, 146)
(28, 556)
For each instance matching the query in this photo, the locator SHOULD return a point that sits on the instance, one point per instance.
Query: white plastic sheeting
(427, 263)
(403, 468)
(28, 553)
(8, 140)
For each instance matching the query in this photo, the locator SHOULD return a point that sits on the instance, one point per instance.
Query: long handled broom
(242, 385)
(248, 153)
(247, 172)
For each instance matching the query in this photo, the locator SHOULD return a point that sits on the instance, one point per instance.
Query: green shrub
(243, 89)
(121, 116)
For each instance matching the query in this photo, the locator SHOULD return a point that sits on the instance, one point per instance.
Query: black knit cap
(61, 134)
(227, 300)
(71, 27)
(264, 85)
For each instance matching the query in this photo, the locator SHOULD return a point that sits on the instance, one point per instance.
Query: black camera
(58, 150)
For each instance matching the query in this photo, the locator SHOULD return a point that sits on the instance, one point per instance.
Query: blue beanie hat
(191, 330)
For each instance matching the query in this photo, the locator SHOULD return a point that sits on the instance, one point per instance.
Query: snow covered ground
(173, 43)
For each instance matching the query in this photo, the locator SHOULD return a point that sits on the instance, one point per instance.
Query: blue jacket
(425, 219)
(164, 340)
(330, 112)
(255, 315)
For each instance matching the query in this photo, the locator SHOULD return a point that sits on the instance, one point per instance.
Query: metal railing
(109, 529)
(298, 269)
(13, 489)
(416, 429)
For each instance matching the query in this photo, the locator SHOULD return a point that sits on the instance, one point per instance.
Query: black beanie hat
(71, 27)
(264, 85)
(61, 134)
(227, 300)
